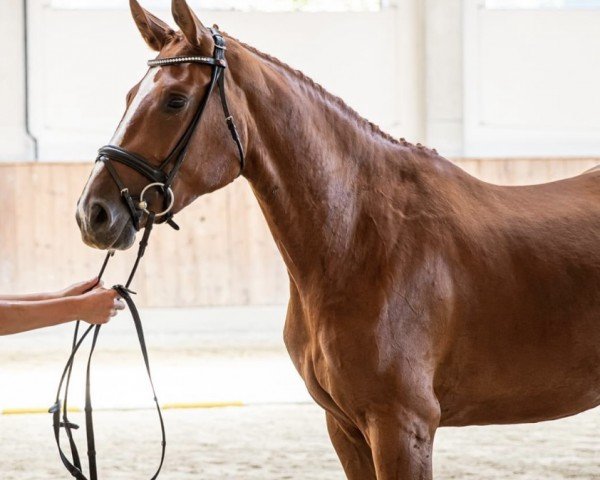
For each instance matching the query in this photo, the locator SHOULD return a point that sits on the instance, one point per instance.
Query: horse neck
(315, 167)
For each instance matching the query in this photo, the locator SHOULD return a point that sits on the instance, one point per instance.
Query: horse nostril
(99, 215)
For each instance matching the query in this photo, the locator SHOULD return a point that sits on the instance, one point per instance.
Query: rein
(163, 180)
(74, 466)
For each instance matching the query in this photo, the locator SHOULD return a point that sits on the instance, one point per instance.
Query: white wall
(82, 63)
(443, 75)
(14, 142)
(531, 81)
(449, 73)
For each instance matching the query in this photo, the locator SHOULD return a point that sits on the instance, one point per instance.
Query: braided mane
(319, 88)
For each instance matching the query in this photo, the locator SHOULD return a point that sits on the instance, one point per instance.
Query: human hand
(98, 305)
(78, 288)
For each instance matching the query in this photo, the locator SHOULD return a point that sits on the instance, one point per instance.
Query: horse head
(163, 112)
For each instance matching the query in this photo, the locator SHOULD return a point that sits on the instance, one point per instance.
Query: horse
(420, 296)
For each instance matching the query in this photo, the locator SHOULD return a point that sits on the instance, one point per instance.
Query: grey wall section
(444, 75)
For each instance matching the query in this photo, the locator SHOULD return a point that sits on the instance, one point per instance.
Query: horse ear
(187, 20)
(155, 32)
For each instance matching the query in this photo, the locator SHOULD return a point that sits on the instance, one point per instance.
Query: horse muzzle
(104, 225)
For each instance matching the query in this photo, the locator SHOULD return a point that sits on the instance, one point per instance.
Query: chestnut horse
(420, 296)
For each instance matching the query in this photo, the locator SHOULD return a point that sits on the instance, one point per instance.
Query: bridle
(161, 179)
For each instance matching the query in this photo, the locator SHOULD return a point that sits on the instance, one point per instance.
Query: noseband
(159, 177)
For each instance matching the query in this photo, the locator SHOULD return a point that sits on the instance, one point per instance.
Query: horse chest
(302, 343)
(322, 385)
(326, 362)
(310, 363)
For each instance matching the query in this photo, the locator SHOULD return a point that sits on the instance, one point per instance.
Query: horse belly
(458, 411)
(520, 376)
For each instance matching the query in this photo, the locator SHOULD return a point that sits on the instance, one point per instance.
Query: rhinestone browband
(158, 62)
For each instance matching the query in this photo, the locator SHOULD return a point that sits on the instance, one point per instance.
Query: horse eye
(176, 103)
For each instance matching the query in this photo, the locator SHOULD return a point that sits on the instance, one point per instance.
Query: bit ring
(143, 205)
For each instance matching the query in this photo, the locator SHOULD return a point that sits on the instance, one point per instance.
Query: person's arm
(94, 307)
(76, 289)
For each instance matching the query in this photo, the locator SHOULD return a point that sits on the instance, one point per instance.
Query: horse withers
(420, 296)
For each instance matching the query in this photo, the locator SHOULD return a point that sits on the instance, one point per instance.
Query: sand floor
(235, 354)
(290, 442)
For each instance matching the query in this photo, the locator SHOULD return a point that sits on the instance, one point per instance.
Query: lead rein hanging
(75, 467)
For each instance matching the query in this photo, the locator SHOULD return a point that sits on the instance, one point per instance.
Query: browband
(159, 62)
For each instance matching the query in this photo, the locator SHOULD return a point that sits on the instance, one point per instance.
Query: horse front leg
(352, 450)
(402, 443)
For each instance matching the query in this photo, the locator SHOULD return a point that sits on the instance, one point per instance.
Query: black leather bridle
(162, 179)
(159, 176)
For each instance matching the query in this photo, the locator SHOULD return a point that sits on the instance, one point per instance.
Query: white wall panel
(14, 142)
(531, 81)
(450, 73)
(444, 91)
(84, 61)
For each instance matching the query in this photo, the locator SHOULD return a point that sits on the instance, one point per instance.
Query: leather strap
(162, 62)
(177, 156)
(74, 467)
(74, 470)
(132, 160)
(135, 212)
(125, 294)
(230, 123)
(89, 418)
